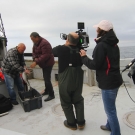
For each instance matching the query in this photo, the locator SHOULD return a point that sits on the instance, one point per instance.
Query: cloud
(52, 17)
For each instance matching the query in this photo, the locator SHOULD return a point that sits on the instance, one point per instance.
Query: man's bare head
(21, 48)
(75, 35)
(73, 38)
(35, 37)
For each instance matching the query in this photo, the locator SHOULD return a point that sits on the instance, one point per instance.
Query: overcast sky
(51, 17)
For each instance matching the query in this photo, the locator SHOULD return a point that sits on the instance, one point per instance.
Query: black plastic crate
(30, 100)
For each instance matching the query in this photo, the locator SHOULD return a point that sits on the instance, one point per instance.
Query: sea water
(125, 52)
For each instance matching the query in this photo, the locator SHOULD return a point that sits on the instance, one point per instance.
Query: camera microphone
(129, 65)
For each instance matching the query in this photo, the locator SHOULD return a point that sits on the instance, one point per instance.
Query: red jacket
(1, 75)
(42, 53)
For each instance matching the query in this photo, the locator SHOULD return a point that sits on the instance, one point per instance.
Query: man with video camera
(70, 81)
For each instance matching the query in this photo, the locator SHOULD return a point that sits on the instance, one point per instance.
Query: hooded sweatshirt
(106, 61)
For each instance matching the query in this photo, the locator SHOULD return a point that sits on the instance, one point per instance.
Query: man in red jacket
(42, 56)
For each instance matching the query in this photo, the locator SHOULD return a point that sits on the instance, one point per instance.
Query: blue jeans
(10, 81)
(109, 98)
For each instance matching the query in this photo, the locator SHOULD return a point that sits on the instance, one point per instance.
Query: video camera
(83, 36)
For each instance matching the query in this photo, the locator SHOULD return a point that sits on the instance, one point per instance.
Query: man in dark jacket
(70, 81)
(14, 64)
(42, 56)
(106, 62)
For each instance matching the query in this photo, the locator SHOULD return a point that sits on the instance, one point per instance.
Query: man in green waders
(70, 81)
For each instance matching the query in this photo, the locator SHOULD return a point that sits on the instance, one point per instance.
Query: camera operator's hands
(82, 53)
(129, 74)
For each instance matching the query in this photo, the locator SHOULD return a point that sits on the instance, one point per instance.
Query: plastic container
(30, 100)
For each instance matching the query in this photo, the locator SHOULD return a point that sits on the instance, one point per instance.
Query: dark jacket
(106, 61)
(42, 53)
(13, 63)
(65, 57)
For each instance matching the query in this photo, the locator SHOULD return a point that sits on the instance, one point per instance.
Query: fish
(25, 79)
